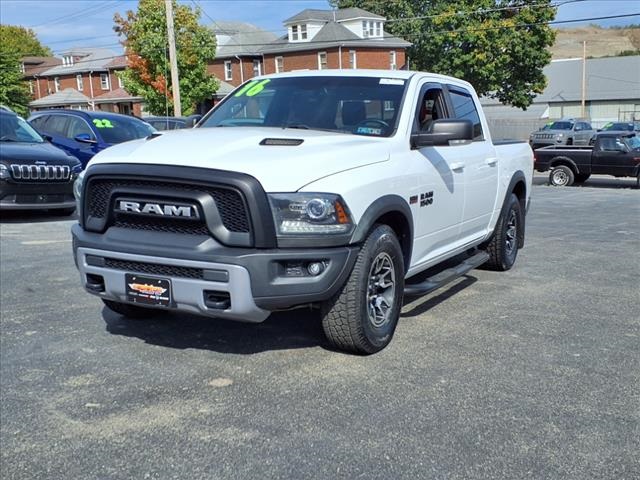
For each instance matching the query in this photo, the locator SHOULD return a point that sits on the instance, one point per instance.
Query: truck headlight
(77, 187)
(560, 135)
(310, 213)
(4, 172)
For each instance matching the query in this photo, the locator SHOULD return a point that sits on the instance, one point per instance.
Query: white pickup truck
(327, 189)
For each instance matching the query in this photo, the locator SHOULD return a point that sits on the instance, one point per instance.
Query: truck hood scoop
(282, 142)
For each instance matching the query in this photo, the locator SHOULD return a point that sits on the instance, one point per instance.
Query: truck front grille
(36, 173)
(154, 268)
(229, 203)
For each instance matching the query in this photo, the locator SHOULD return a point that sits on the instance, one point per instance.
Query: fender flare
(518, 176)
(557, 159)
(383, 205)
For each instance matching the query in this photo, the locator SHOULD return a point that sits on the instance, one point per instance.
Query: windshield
(561, 126)
(16, 129)
(632, 142)
(122, 129)
(618, 126)
(356, 105)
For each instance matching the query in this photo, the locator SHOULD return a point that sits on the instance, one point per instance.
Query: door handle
(457, 166)
(491, 161)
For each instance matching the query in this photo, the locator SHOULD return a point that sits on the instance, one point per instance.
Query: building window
(22, 69)
(67, 60)
(279, 64)
(352, 59)
(56, 83)
(303, 32)
(120, 84)
(378, 29)
(104, 81)
(322, 60)
(31, 87)
(392, 60)
(79, 83)
(228, 70)
(294, 32)
(257, 70)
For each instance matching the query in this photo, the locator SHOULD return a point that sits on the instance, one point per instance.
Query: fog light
(315, 268)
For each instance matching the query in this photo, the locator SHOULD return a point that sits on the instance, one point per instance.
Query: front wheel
(503, 246)
(561, 176)
(362, 317)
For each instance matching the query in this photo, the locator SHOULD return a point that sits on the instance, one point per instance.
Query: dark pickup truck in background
(616, 154)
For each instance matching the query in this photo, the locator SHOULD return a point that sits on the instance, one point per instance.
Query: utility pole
(175, 81)
(584, 79)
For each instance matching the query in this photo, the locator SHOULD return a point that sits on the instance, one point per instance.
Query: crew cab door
(612, 156)
(438, 202)
(479, 161)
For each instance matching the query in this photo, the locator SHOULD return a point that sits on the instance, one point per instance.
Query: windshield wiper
(301, 126)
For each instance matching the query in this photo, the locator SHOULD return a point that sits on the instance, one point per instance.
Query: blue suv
(83, 133)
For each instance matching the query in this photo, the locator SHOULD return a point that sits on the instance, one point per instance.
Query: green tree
(146, 46)
(14, 93)
(499, 46)
(22, 42)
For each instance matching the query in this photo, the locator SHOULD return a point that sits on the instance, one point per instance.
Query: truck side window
(431, 106)
(464, 107)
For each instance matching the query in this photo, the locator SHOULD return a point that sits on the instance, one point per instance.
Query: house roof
(119, 62)
(68, 96)
(91, 59)
(239, 38)
(334, 35)
(224, 88)
(37, 65)
(339, 15)
(119, 94)
(611, 78)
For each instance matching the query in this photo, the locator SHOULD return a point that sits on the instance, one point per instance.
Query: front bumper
(36, 196)
(256, 281)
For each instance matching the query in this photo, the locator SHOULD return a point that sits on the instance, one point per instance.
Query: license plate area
(148, 290)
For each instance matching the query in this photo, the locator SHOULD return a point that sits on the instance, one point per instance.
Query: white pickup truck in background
(325, 188)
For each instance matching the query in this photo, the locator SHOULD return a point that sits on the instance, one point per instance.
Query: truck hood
(278, 168)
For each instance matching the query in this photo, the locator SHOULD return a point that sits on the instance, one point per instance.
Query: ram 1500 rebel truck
(324, 189)
(615, 153)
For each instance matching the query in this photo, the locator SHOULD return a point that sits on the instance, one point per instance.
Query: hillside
(601, 42)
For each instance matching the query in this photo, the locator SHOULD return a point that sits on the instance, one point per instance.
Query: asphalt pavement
(528, 374)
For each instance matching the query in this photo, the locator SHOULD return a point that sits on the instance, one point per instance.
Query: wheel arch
(518, 187)
(391, 210)
(566, 161)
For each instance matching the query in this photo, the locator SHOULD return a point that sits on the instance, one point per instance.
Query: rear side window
(77, 126)
(39, 123)
(464, 107)
(57, 125)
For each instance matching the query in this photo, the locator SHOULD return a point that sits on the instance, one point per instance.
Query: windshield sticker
(391, 81)
(369, 131)
(102, 123)
(252, 89)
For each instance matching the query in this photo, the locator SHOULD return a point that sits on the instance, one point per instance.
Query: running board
(446, 276)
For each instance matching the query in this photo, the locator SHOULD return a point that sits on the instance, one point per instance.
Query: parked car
(327, 189)
(621, 127)
(83, 133)
(166, 123)
(562, 132)
(34, 174)
(614, 153)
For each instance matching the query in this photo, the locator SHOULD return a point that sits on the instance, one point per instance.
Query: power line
(85, 12)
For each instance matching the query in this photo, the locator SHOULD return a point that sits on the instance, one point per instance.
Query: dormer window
(371, 29)
(22, 69)
(67, 60)
(298, 32)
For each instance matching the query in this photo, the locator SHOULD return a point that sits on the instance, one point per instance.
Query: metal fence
(506, 128)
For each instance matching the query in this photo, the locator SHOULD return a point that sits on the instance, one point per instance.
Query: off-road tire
(132, 311)
(503, 246)
(346, 318)
(581, 177)
(561, 176)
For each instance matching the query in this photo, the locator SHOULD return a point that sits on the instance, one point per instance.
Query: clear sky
(61, 24)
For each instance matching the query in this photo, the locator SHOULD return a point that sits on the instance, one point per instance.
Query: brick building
(315, 40)
(82, 79)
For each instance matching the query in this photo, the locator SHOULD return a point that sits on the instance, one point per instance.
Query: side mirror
(84, 138)
(442, 132)
(192, 120)
(47, 138)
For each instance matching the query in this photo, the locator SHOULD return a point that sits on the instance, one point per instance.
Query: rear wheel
(132, 311)
(561, 176)
(362, 317)
(581, 177)
(503, 246)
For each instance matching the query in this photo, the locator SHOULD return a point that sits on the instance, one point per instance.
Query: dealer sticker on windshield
(391, 81)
